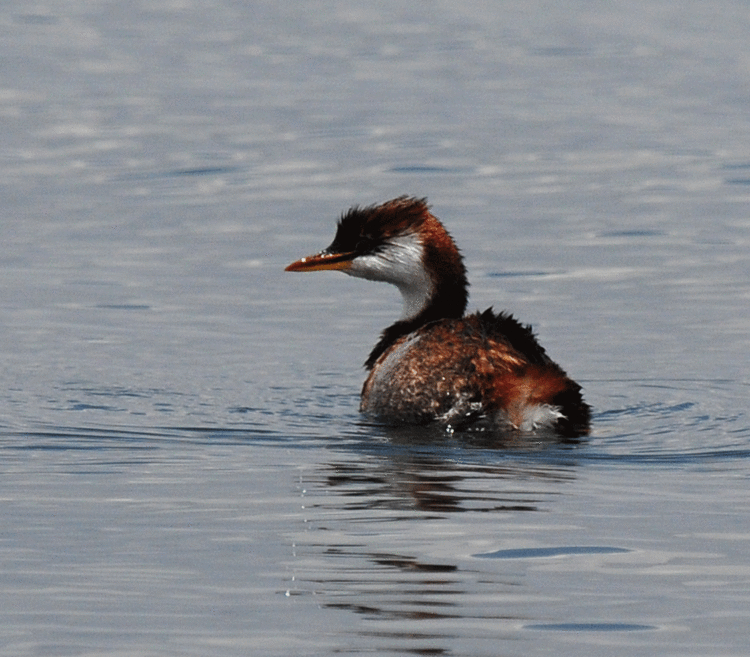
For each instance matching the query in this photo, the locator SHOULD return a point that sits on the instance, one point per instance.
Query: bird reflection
(389, 526)
(433, 481)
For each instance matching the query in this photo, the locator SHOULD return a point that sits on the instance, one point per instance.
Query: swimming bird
(435, 364)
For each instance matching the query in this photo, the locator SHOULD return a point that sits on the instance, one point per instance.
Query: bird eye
(365, 244)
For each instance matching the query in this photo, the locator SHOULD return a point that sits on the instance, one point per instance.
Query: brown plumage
(435, 364)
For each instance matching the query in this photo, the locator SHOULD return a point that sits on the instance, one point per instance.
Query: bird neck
(447, 299)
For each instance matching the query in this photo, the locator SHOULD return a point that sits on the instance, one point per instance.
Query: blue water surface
(183, 470)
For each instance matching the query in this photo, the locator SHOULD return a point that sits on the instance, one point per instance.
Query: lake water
(183, 470)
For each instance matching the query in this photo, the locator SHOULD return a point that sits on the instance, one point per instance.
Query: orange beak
(322, 261)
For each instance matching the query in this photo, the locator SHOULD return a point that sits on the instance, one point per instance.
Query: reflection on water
(421, 541)
(544, 553)
(435, 485)
(429, 492)
(591, 627)
(372, 525)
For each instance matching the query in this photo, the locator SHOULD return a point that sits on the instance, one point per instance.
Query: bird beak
(322, 261)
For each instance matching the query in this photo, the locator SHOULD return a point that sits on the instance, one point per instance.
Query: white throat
(399, 262)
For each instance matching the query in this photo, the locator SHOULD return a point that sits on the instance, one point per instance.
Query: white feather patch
(399, 262)
(540, 416)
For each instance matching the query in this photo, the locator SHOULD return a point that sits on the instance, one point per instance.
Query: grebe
(435, 364)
